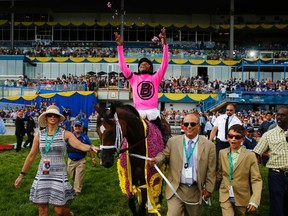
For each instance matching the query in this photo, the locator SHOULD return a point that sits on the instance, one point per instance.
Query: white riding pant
(150, 114)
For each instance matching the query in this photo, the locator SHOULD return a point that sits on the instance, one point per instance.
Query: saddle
(164, 128)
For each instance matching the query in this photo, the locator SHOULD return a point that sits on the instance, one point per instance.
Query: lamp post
(231, 43)
(180, 35)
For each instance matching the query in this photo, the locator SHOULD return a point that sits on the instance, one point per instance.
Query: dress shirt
(220, 123)
(195, 163)
(274, 142)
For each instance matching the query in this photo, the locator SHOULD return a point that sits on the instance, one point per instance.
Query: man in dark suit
(30, 129)
(265, 124)
(191, 160)
(19, 130)
(249, 142)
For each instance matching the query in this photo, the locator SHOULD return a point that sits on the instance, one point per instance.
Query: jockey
(145, 83)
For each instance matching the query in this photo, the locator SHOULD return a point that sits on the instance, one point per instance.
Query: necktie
(190, 143)
(191, 161)
(226, 127)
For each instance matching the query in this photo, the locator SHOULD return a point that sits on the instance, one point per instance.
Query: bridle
(119, 135)
(119, 139)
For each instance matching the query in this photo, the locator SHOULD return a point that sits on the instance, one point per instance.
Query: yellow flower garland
(153, 185)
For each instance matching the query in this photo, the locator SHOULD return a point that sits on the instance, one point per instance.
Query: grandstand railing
(223, 98)
(7, 91)
(175, 126)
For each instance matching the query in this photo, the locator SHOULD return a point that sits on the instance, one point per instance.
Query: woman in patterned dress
(51, 185)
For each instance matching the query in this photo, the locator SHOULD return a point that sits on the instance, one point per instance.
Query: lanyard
(47, 145)
(230, 166)
(192, 151)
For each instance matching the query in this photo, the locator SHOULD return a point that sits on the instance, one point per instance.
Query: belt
(285, 172)
(189, 185)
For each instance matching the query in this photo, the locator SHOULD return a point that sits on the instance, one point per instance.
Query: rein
(164, 177)
(120, 151)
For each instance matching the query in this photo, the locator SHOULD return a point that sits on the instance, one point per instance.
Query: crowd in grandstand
(180, 84)
(218, 51)
(261, 119)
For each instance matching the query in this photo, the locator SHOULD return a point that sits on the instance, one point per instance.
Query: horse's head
(107, 131)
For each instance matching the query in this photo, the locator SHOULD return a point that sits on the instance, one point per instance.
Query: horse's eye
(102, 129)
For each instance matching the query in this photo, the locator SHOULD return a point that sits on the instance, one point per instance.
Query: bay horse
(124, 134)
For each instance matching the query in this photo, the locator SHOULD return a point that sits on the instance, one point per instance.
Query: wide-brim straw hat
(42, 121)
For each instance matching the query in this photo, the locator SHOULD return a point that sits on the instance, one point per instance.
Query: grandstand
(73, 40)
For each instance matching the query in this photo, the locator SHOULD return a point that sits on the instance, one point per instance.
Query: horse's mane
(130, 107)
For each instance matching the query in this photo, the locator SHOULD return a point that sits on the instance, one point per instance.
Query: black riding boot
(159, 124)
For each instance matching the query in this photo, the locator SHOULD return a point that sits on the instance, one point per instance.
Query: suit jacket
(30, 125)
(174, 154)
(248, 144)
(246, 178)
(19, 127)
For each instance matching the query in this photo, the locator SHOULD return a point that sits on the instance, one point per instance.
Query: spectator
(30, 129)
(246, 123)
(67, 123)
(208, 127)
(66, 111)
(182, 128)
(77, 159)
(239, 176)
(274, 142)
(51, 185)
(2, 126)
(249, 142)
(192, 168)
(20, 130)
(203, 119)
(221, 127)
(266, 123)
(85, 120)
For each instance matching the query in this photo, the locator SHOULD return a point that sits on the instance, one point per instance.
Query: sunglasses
(77, 126)
(229, 110)
(237, 137)
(49, 115)
(192, 124)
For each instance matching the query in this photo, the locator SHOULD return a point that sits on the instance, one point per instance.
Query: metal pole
(231, 44)
(12, 25)
(180, 35)
(122, 20)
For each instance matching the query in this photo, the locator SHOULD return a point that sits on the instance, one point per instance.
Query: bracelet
(23, 173)
(91, 149)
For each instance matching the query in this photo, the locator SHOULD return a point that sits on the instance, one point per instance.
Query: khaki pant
(76, 170)
(189, 194)
(229, 209)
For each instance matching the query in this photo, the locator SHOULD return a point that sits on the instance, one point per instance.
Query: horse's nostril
(107, 164)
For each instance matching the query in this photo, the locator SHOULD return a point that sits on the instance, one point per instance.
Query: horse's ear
(112, 108)
(97, 108)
